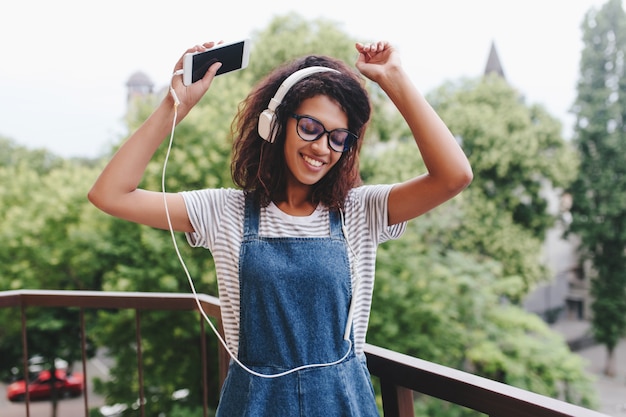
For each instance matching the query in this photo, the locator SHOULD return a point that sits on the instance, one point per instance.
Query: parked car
(67, 385)
(37, 364)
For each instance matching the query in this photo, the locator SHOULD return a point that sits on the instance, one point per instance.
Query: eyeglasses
(310, 129)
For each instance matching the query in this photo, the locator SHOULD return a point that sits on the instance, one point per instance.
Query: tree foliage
(439, 304)
(599, 192)
(292, 36)
(46, 228)
(517, 154)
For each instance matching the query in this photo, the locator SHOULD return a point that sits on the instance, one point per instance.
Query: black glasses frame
(349, 141)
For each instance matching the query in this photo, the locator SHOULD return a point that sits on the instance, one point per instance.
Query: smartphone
(233, 56)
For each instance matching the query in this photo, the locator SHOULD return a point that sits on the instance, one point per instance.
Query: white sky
(64, 63)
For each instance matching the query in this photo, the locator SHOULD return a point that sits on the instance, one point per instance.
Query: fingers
(208, 45)
(372, 47)
(197, 48)
(376, 59)
(203, 47)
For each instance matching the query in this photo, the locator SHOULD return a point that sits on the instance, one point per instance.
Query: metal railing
(399, 375)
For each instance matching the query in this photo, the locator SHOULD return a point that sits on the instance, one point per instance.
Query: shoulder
(367, 195)
(367, 209)
(216, 198)
(213, 212)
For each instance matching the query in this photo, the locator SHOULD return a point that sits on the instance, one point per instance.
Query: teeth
(312, 161)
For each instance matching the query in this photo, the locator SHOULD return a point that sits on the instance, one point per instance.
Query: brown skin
(448, 170)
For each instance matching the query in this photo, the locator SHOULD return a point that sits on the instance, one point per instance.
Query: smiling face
(309, 162)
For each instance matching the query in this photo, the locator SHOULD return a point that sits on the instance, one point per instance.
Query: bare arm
(115, 191)
(449, 171)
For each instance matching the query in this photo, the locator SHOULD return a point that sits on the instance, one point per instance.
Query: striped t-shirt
(217, 218)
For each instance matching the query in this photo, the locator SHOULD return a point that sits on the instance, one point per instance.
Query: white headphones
(267, 118)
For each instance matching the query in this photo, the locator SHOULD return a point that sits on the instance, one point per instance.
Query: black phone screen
(230, 56)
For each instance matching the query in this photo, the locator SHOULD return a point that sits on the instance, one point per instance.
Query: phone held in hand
(233, 56)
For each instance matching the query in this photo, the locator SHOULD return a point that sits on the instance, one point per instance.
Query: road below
(67, 407)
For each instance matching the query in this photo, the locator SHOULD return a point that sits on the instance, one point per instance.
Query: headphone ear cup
(266, 124)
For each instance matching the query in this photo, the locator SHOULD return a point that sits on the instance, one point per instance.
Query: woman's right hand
(189, 96)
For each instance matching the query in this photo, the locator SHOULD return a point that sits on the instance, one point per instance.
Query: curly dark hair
(259, 167)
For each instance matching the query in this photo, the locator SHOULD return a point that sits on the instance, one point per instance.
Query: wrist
(170, 105)
(394, 80)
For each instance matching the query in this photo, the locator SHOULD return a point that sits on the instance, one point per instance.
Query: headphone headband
(267, 118)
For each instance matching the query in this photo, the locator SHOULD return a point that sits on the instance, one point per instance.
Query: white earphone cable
(193, 288)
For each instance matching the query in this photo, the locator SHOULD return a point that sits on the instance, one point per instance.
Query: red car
(41, 387)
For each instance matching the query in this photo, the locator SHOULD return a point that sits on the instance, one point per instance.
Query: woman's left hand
(376, 59)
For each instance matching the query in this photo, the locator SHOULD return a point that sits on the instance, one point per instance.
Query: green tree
(291, 36)
(42, 202)
(46, 228)
(517, 154)
(434, 302)
(599, 192)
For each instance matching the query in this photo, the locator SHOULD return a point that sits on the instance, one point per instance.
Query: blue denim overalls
(294, 295)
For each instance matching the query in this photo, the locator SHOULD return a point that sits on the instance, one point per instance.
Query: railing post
(83, 350)
(25, 359)
(205, 377)
(142, 396)
(222, 356)
(397, 400)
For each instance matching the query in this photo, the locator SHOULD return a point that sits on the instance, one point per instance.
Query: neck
(297, 202)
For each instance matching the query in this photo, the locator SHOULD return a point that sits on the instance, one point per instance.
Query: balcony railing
(399, 375)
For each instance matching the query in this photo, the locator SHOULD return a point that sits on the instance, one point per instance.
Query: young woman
(294, 246)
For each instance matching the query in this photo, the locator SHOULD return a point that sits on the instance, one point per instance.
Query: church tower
(138, 85)
(493, 62)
